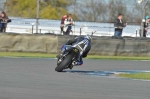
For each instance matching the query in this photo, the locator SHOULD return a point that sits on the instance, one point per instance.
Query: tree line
(107, 11)
(82, 10)
(49, 9)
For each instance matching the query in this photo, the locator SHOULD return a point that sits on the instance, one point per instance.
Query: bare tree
(100, 10)
(147, 9)
(116, 7)
(134, 12)
(131, 10)
(91, 10)
(2, 4)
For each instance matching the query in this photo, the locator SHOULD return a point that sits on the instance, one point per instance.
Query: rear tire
(64, 63)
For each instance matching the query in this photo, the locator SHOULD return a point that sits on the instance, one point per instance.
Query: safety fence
(28, 26)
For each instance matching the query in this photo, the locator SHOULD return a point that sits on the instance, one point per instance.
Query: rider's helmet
(88, 37)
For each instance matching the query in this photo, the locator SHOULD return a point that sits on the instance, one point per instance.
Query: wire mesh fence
(19, 25)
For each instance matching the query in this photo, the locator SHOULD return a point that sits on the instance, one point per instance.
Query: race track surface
(29, 78)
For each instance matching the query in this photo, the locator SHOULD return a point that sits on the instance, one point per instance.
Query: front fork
(61, 58)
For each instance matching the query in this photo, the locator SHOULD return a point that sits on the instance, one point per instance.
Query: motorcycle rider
(75, 41)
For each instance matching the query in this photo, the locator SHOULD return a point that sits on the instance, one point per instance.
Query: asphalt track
(29, 78)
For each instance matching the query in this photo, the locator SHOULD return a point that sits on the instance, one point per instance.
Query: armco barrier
(111, 46)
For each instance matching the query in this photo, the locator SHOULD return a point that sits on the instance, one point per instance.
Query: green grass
(46, 55)
(118, 57)
(145, 76)
(25, 54)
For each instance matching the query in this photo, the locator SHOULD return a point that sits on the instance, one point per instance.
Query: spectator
(68, 25)
(119, 25)
(62, 23)
(3, 20)
(146, 26)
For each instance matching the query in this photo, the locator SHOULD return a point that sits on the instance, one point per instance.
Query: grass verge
(118, 57)
(145, 76)
(25, 54)
(46, 55)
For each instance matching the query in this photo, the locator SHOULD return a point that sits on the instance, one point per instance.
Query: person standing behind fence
(119, 25)
(3, 21)
(68, 25)
(62, 23)
(146, 26)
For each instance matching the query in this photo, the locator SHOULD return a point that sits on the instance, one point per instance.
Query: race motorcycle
(71, 55)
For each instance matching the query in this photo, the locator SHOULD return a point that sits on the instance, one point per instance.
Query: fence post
(37, 15)
(40, 31)
(32, 28)
(136, 32)
(80, 31)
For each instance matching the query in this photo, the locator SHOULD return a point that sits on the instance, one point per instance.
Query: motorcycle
(70, 55)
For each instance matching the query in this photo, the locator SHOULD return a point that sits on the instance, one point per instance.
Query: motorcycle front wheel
(64, 63)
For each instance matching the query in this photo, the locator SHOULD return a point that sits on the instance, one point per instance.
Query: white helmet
(88, 37)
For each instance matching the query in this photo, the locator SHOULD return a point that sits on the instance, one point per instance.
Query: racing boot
(75, 63)
(80, 63)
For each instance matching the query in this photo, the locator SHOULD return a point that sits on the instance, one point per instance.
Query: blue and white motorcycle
(71, 54)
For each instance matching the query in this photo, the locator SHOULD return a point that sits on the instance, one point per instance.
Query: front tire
(64, 63)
